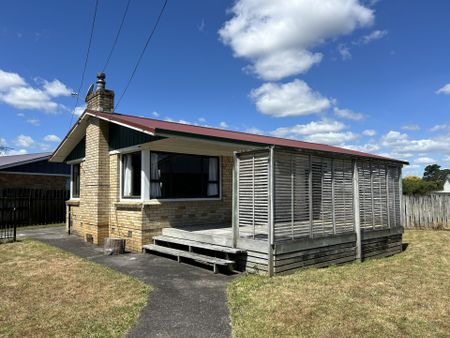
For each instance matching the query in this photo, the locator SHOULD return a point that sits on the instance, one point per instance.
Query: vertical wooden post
(270, 238)
(356, 210)
(333, 206)
(400, 190)
(388, 196)
(235, 196)
(253, 195)
(371, 194)
(311, 220)
(292, 196)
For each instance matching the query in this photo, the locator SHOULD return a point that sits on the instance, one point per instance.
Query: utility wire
(142, 53)
(117, 36)
(85, 62)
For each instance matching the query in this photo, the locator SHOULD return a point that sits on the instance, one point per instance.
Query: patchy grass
(407, 295)
(46, 292)
(40, 226)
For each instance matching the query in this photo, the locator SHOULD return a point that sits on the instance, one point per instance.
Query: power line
(142, 53)
(85, 61)
(117, 37)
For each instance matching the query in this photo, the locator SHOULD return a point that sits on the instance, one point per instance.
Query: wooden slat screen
(291, 202)
(330, 195)
(394, 196)
(253, 187)
(343, 195)
(379, 195)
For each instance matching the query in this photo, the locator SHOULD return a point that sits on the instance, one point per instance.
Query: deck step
(197, 244)
(199, 237)
(186, 254)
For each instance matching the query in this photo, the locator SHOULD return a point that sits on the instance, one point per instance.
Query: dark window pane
(131, 175)
(183, 176)
(76, 180)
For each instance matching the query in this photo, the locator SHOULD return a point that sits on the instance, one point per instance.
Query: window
(131, 175)
(75, 180)
(183, 176)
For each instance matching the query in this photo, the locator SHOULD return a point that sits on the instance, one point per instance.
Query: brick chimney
(94, 200)
(101, 99)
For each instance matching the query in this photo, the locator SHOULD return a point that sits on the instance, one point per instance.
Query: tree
(434, 173)
(413, 185)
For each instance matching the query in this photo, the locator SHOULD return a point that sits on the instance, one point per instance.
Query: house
(446, 189)
(33, 171)
(259, 203)
(447, 185)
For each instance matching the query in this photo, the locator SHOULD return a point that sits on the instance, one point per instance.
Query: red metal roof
(158, 126)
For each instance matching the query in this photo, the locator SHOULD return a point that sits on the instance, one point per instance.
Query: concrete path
(187, 301)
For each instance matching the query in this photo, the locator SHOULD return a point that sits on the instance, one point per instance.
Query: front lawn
(45, 292)
(407, 295)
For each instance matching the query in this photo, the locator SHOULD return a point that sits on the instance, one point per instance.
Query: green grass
(46, 292)
(407, 295)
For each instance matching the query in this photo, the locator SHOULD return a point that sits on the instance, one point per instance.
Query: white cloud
(438, 127)
(34, 122)
(411, 127)
(52, 138)
(28, 98)
(424, 160)
(401, 144)
(344, 51)
(295, 98)
(155, 114)
(375, 35)
(313, 127)
(56, 88)
(324, 131)
(201, 27)
(348, 114)
(369, 132)
(20, 114)
(15, 92)
(447, 159)
(444, 90)
(278, 36)
(24, 141)
(293, 62)
(223, 124)
(332, 138)
(371, 147)
(8, 80)
(78, 111)
(254, 130)
(10, 152)
(201, 119)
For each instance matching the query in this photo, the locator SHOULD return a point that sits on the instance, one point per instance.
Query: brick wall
(8, 181)
(138, 223)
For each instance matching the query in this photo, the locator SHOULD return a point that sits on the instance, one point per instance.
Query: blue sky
(369, 75)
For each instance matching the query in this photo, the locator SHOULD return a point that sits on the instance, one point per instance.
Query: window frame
(121, 178)
(72, 164)
(218, 197)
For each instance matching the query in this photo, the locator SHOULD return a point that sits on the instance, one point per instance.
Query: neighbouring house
(33, 171)
(258, 203)
(446, 189)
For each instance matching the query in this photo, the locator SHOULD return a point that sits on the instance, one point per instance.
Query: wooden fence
(22, 207)
(426, 212)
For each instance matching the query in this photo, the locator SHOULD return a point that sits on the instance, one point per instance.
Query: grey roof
(13, 160)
